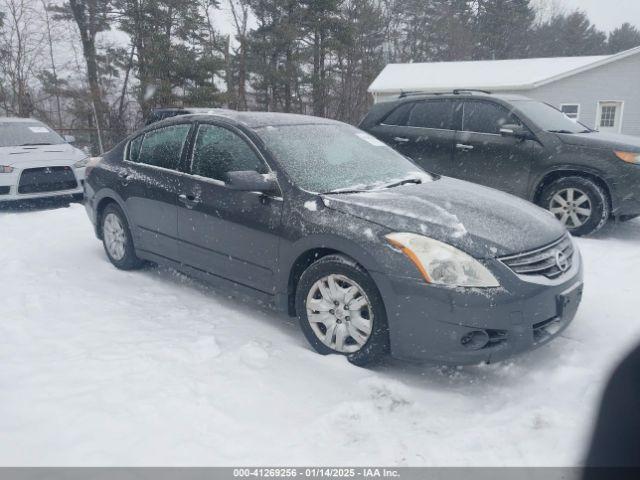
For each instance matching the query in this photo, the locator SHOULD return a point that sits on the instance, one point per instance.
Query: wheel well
(298, 268)
(101, 206)
(553, 176)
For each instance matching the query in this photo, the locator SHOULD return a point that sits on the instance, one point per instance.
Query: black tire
(377, 345)
(600, 209)
(129, 261)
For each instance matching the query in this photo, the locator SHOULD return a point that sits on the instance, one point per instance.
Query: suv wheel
(578, 202)
(341, 311)
(116, 238)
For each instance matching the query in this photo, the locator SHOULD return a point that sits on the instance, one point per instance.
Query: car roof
(250, 119)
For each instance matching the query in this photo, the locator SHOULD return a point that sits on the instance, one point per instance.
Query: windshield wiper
(344, 190)
(402, 182)
(560, 131)
(34, 144)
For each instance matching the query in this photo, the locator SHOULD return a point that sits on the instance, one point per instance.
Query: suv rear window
(400, 115)
(432, 114)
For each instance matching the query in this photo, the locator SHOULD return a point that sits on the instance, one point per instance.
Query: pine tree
(567, 36)
(623, 38)
(502, 28)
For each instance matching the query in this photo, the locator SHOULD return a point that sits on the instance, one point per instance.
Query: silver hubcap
(572, 207)
(340, 313)
(114, 236)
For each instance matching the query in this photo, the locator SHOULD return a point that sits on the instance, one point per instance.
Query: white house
(602, 92)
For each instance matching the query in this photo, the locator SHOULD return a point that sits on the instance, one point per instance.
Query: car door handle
(189, 200)
(401, 139)
(464, 148)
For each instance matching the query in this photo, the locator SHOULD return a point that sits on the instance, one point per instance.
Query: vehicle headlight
(629, 157)
(5, 169)
(81, 163)
(442, 264)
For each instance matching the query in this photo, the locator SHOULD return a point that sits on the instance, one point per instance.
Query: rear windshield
(24, 134)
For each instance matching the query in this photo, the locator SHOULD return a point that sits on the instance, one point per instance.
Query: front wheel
(117, 241)
(578, 202)
(341, 311)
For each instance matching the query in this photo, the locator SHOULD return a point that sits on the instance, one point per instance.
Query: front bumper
(10, 183)
(430, 323)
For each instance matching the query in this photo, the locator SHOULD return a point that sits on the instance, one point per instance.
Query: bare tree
(240, 12)
(54, 71)
(20, 44)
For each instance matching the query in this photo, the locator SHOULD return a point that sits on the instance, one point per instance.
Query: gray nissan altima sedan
(327, 223)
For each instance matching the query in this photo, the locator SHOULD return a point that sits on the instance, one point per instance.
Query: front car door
(228, 233)
(423, 131)
(484, 156)
(149, 184)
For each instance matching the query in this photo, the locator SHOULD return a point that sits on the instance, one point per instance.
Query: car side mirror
(70, 139)
(515, 131)
(252, 181)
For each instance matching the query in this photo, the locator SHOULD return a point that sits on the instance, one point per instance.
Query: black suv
(518, 145)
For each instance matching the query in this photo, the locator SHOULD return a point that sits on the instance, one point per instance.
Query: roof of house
(521, 74)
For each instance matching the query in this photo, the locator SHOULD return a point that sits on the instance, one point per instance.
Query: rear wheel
(341, 311)
(578, 202)
(117, 240)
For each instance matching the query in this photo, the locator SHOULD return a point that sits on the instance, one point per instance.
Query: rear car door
(226, 232)
(423, 131)
(484, 156)
(149, 184)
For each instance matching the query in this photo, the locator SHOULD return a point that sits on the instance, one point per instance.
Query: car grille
(4, 190)
(551, 261)
(47, 179)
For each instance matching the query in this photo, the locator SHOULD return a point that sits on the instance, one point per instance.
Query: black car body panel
(520, 166)
(259, 244)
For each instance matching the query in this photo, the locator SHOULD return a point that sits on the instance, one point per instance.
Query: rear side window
(485, 117)
(432, 114)
(399, 115)
(162, 147)
(219, 151)
(134, 149)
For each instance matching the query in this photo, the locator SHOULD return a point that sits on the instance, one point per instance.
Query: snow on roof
(521, 74)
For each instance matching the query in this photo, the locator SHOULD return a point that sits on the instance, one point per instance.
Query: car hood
(40, 155)
(483, 222)
(601, 140)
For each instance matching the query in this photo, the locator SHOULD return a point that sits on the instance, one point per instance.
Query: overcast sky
(607, 14)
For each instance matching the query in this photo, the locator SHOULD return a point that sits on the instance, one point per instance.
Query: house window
(571, 110)
(609, 116)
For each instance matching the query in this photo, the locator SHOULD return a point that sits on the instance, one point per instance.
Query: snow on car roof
(18, 120)
(518, 74)
(265, 119)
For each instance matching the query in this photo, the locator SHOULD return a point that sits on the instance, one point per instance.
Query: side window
(219, 151)
(163, 147)
(399, 115)
(432, 114)
(134, 149)
(485, 117)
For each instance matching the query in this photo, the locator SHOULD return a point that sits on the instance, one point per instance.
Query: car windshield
(25, 133)
(329, 158)
(549, 118)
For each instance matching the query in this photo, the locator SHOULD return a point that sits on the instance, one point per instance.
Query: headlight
(442, 264)
(5, 169)
(629, 157)
(81, 163)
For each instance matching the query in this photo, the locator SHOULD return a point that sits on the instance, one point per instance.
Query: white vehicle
(36, 162)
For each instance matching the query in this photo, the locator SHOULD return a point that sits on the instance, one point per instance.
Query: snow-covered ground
(103, 367)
